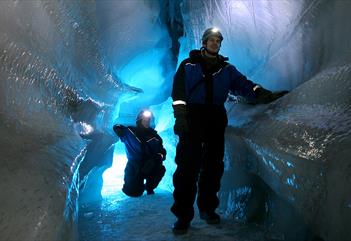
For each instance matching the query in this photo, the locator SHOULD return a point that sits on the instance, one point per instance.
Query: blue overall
(143, 146)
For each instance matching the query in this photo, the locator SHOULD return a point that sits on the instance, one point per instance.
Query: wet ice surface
(149, 218)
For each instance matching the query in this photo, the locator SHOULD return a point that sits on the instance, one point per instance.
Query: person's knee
(132, 193)
(157, 176)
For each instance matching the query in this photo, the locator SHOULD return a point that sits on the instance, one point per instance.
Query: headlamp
(147, 114)
(214, 30)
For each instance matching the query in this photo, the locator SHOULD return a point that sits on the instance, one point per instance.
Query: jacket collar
(196, 56)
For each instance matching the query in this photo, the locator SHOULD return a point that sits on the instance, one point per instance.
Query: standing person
(145, 155)
(200, 88)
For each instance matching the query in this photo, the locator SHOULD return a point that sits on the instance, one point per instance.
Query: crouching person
(145, 155)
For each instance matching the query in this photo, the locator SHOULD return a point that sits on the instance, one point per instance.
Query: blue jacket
(195, 82)
(141, 143)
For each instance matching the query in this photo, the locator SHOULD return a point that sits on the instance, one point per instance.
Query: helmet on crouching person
(145, 118)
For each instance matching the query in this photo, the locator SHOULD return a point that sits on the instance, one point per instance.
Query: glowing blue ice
(145, 72)
(113, 177)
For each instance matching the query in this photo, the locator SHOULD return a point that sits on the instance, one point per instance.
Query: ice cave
(70, 70)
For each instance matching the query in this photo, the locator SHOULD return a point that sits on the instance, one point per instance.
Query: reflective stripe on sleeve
(256, 87)
(179, 102)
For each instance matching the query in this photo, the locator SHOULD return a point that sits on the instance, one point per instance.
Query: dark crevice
(172, 17)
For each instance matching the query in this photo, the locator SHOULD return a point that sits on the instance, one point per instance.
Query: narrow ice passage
(70, 70)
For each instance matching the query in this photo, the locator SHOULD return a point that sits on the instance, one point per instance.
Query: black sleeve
(162, 150)
(178, 91)
(240, 85)
(119, 130)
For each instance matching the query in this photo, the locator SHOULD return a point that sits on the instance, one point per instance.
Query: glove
(119, 130)
(278, 94)
(181, 123)
(264, 96)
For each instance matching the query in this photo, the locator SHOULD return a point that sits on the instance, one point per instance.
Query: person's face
(145, 122)
(213, 44)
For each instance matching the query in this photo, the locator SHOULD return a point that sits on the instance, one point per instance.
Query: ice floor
(149, 218)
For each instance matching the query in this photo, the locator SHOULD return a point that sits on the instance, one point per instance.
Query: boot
(180, 227)
(210, 217)
(150, 192)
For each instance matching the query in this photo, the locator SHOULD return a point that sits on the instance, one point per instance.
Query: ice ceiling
(73, 67)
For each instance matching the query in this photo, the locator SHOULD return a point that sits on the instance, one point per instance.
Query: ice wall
(60, 80)
(44, 86)
(300, 147)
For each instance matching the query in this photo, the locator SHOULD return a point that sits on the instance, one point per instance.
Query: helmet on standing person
(211, 32)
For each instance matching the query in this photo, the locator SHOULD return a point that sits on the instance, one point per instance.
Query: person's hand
(264, 96)
(180, 126)
(119, 130)
(278, 94)
(181, 123)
